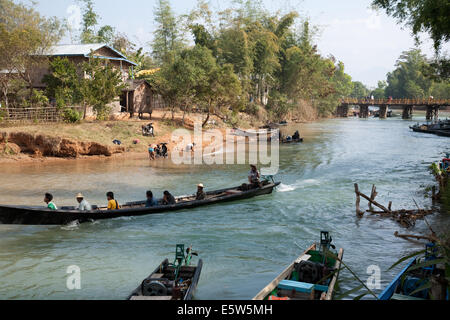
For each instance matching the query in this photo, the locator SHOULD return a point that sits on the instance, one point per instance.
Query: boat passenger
(168, 199)
(48, 199)
(83, 204)
(112, 203)
(200, 193)
(151, 201)
(254, 176)
(296, 135)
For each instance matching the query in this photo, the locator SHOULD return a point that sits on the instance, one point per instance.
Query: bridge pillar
(364, 111)
(432, 113)
(407, 112)
(383, 111)
(342, 111)
(429, 113)
(436, 113)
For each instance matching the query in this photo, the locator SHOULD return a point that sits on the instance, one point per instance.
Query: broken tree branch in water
(431, 238)
(407, 218)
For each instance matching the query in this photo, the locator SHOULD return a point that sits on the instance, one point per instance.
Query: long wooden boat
(312, 276)
(171, 281)
(23, 215)
(412, 277)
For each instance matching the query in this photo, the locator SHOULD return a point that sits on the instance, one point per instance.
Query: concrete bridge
(432, 106)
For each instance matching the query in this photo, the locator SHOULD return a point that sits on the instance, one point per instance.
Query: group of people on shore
(158, 151)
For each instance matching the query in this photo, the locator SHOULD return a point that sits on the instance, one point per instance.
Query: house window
(147, 100)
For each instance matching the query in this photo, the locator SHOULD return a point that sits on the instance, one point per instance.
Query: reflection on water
(244, 245)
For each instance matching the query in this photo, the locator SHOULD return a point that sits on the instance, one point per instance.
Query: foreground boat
(171, 281)
(413, 277)
(22, 215)
(313, 276)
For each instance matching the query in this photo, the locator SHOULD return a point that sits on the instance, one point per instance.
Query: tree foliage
(429, 16)
(268, 60)
(25, 36)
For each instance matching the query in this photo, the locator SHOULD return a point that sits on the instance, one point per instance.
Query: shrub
(71, 115)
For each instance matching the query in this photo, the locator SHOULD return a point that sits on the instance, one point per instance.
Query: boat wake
(298, 185)
(74, 225)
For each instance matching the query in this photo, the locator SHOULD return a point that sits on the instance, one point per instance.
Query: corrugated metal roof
(83, 50)
(133, 84)
(74, 49)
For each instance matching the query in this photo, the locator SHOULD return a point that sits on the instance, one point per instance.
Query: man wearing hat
(200, 193)
(254, 176)
(84, 205)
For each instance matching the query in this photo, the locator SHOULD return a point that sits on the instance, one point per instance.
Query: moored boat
(440, 128)
(286, 141)
(407, 284)
(171, 281)
(23, 215)
(312, 276)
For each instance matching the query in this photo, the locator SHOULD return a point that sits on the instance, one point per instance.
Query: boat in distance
(26, 215)
(171, 281)
(312, 276)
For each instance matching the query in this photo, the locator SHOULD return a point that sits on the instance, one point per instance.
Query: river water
(243, 245)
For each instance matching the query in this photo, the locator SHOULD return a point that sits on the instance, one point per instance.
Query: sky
(366, 41)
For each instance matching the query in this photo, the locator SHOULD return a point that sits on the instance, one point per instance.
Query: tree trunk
(207, 119)
(85, 110)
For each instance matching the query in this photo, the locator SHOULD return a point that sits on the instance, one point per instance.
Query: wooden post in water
(429, 113)
(364, 111)
(373, 195)
(383, 111)
(407, 112)
(359, 213)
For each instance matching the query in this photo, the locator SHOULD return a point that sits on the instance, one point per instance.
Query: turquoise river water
(244, 245)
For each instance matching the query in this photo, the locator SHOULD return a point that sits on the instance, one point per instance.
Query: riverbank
(28, 143)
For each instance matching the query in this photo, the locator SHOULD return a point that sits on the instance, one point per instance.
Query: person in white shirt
(83, 204)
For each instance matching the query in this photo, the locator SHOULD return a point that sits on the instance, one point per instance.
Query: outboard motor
(309, 272)
(156, 288)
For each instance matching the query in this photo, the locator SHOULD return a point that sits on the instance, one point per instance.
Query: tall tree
(25, 38)
(167, 38)
(89, 33)
(408, 79)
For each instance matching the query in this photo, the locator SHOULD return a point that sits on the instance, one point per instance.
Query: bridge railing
(400, 102)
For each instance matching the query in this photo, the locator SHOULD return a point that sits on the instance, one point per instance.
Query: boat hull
(13, 215)
(327, 290)
(194, 276)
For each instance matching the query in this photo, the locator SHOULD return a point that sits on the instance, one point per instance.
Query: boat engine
(154, 288)
(310, 272)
